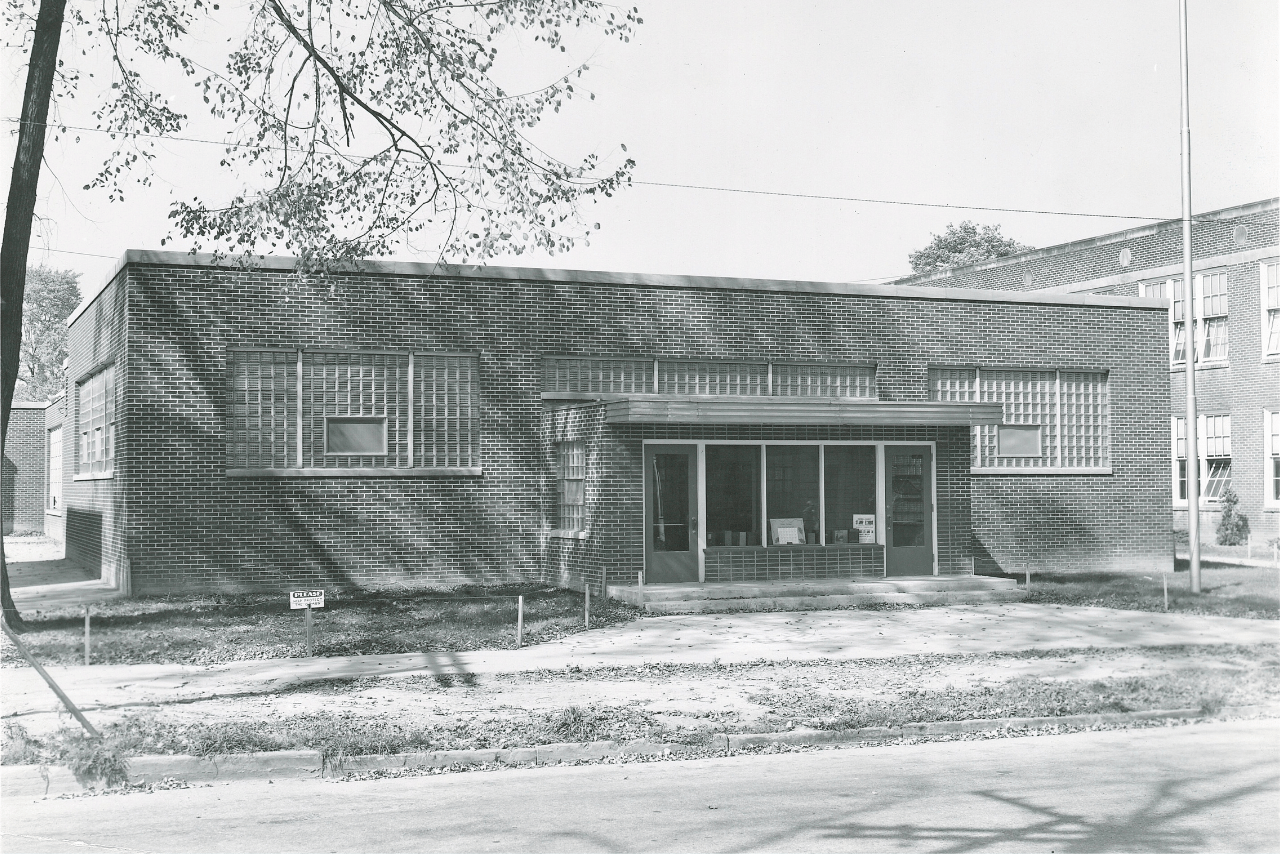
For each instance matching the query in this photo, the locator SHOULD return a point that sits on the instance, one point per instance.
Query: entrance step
(814, 595)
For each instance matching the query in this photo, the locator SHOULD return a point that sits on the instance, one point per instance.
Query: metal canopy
(670, 409)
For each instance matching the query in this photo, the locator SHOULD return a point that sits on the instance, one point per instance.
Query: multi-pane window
(596, 375)
(95, 409)
(1271, 433)
(1211, 336)
(324, 409)
(1270, 285)
(1213, 319)
(1052, 419)
(1214, 450)
(571, 475)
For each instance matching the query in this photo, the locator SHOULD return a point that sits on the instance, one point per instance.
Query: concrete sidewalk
(686, 639)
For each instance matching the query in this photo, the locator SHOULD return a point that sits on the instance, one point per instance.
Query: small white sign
(306, 598)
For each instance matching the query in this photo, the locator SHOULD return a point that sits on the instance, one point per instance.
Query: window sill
(809, 546)
(568, 535)
(98, 475)
(53, 512)
(1210, 365)
(1042, 470)
(369, 472)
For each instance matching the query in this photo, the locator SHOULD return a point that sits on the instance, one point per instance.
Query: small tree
(1233, 527)
(50, 298)
(966, 243)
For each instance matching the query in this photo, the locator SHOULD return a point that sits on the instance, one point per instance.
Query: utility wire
(706, 187)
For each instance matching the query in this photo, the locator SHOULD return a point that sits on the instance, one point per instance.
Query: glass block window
(824, 381)
(342, 390)
(1085, 420)
(1271, 308)
(605, 376)
(447, 422)
(262, 409)
(1213, 323)
(953, 385)
(1029, 398)
(571, 475)
(351, 409)
(711, 377)
(96, 419)
(1052, 419)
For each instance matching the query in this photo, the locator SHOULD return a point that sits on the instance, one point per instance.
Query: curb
(37, 781)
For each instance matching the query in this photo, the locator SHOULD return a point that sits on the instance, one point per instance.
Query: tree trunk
(17, 229)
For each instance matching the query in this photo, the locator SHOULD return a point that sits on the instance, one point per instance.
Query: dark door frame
(930, 497)
(692, 565)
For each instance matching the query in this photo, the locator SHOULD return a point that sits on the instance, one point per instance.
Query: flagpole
(1189, 291)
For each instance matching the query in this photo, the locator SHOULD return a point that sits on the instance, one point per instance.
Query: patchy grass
(1252, 592)
(216, 629)
(333, 734)
(1205, 689)
(337, 733)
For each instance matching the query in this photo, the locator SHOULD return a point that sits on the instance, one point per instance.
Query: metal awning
(688, 409)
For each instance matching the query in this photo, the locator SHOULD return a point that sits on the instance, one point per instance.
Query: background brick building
(22, 482)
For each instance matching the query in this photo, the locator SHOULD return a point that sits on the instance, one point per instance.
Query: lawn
(1252, 592)
(215, 629)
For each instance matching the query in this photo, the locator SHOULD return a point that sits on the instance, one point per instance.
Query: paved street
(1208, 787)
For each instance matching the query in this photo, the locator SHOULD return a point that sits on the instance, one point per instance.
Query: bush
(1233, 528)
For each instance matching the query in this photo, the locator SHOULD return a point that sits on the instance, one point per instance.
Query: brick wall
(95, 504)
(22, 482)
(191, 526)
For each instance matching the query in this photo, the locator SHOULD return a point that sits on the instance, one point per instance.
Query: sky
(1046, 106)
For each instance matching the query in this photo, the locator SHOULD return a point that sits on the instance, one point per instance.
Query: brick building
(408, 423)
(22, 480)
(1236, 263)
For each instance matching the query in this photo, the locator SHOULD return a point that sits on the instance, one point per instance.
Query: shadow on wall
(84, 539)
(8, 492)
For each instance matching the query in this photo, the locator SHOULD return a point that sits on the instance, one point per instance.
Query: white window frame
(1202, 447)
(1264, 311)
(1270, 452)
(1165, 289)
(54, 500)
(579, 531)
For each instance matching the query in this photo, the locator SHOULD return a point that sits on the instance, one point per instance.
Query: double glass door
(785, 496)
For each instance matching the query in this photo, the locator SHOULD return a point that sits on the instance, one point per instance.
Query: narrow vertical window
(55, 468)
(1217, 454)
(1180, 456)
(1271, 308)
(1213, 323)
(1271, 428)
(571, 477)
(1178, 319)
(95, 417)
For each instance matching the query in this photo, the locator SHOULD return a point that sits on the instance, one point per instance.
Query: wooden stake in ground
(66, 701)
(519, 621)
(86, 633)
(586, 607)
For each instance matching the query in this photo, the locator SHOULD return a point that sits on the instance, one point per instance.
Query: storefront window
(733, 495)
(792, 493)
(850, 485)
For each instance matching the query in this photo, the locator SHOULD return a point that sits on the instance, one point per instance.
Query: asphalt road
(1207, 787)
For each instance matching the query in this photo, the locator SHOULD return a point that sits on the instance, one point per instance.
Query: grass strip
(207, 629)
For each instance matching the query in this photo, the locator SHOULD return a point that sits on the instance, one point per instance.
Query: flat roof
(658, 280)
(1232, 212)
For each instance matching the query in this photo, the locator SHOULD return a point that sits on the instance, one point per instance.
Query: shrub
(1233, 527)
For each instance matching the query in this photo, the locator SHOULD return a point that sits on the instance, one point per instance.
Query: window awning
(682, 409)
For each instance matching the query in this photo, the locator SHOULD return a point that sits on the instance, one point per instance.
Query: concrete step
(819, 603)
(813, 594)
